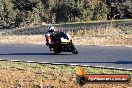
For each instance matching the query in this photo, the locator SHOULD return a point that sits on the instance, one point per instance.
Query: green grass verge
(98, 21)
(35, 67)
(34, 75)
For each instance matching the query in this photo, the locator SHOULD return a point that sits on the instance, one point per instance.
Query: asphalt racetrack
(108, 56)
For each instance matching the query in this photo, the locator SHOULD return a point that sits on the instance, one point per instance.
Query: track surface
(118, 57)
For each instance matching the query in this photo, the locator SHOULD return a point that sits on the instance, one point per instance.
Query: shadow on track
(36, 54)
(116, 62)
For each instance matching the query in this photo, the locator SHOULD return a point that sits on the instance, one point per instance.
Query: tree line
(25, 12)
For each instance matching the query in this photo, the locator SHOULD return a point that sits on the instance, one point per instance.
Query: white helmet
(51, 29)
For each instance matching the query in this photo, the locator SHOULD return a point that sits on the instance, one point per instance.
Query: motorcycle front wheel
(74, 50)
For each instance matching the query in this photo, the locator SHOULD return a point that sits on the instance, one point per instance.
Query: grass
(34, 75)
(108, 36)
(71, 26)
(35, 67)
(32, 39)
(98, 21)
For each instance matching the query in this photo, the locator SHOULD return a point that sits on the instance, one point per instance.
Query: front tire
(74, 50)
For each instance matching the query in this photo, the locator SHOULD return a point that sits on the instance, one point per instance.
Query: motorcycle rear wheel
(56, 52)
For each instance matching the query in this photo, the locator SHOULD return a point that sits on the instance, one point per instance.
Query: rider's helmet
(51, 29)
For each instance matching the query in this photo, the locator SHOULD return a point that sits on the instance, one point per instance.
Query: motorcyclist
(54, 35)
(50, 35)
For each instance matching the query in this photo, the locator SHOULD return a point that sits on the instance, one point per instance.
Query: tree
(128, 9)
(23, 12)
(119, 9)
(75, 12)
(100, 11)
(8, 14)
(62, 13)
(1, 12)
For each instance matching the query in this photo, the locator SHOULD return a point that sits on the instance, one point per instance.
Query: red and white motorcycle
(60, 42)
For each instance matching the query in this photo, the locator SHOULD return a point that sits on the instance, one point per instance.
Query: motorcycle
(61, 42)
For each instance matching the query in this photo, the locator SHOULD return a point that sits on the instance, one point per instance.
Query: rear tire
(56, 51)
